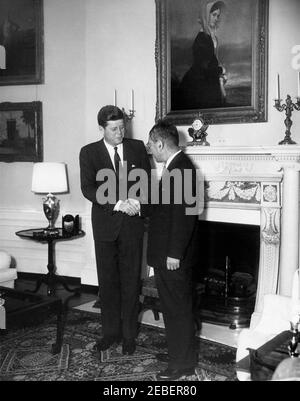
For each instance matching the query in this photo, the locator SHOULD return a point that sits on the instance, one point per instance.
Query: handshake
(130, 206)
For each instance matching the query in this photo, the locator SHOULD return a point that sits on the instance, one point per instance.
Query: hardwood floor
(87, 293)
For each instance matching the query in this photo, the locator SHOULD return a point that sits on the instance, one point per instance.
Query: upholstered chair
(275, 318)
(8, 274)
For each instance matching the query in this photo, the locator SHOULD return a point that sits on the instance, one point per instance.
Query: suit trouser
(119, 276)
(175, 294)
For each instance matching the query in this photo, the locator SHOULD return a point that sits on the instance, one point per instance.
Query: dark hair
(166, 132)
(108, 113)
(218, 5)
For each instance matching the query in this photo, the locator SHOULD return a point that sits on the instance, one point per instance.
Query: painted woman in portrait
(203, 85)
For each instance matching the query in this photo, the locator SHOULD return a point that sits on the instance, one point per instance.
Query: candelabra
(129, 116)
(288, 107)
(293, 343)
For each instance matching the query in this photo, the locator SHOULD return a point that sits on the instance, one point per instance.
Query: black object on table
(45, 236)
(23, 309)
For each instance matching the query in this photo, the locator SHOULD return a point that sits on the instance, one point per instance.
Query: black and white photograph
(149, 194)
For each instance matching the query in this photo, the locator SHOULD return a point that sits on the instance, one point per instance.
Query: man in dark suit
(171, 244)
(118, 225)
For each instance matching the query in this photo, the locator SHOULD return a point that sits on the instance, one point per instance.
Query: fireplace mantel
(238, 161)
(260, 186)
(243, 150)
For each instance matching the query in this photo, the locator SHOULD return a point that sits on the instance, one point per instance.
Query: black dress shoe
(128, 347)
(105, 343)
(174, 374)
(162, 357)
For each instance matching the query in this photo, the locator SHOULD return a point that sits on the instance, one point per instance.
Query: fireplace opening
(225, 273)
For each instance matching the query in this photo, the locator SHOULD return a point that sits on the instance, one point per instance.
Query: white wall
(63, 98)
(120, 55)
(91, 48)
(64, 117)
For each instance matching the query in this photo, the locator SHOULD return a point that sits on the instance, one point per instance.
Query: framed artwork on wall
(211, 59)
(21, 42)
(21, 133)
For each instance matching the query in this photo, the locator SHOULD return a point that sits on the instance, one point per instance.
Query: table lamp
(49, 178)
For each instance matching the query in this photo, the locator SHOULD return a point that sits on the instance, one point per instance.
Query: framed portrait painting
(21, 132)
(21, 42)
(211, 59)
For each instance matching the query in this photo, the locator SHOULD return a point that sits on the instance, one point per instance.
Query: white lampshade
(49, 178)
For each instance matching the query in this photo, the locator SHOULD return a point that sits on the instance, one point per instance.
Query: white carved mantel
(257, 186)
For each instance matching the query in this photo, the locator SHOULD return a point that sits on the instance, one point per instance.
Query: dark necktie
(117, 160)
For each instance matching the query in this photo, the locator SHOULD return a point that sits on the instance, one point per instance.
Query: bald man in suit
(171, 247)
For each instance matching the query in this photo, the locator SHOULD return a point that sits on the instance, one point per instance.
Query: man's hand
(135, 202)
(172, 263)
(129, 208)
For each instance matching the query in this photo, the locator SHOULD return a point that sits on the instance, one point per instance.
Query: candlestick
(278, 87)
(115, 97)
(293, 343)
(288, 107)
(295, 310)
(131, 113)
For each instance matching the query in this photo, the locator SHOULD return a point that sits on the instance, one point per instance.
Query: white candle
(295, 304)
(295, 287)
(298, 94)
(132, 99)
(115, 97)
(278, 88)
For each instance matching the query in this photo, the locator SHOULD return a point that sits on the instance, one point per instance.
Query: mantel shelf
(242, 150)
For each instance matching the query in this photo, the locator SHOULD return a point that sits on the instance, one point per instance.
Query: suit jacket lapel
(127, 151)
(128, 154)
(105, 155)
(172, 165)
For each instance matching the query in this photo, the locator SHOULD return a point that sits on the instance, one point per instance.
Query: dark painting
(21, 132)
(212, 59)
(21, 42)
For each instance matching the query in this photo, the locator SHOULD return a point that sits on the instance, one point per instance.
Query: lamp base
(51, 210)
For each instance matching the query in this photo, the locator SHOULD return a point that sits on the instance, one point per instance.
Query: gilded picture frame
(242, 49)
(21, 42)
(21, 132)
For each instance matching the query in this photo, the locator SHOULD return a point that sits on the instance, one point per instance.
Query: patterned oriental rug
(25, 355)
